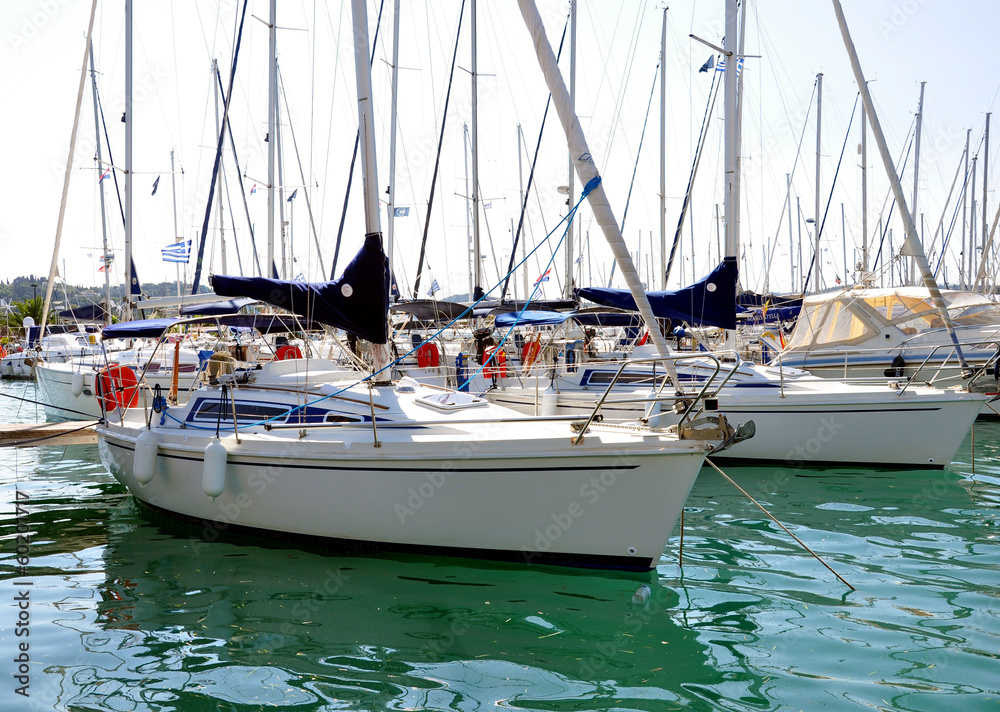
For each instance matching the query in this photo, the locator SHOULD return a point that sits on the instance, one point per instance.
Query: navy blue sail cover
(708, 302)
(357, 302)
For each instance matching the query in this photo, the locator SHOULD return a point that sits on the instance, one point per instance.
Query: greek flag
(435, 288)
(721, 66)
(177, 252)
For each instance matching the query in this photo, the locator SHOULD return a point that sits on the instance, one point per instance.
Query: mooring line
(773, 519)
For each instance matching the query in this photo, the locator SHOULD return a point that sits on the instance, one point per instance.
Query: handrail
(672, 358)
(976, 374)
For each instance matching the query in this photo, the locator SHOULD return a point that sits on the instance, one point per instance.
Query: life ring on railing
(287, 352)
(529, 354)
(497, 366)
(117, 387)
(428, 356)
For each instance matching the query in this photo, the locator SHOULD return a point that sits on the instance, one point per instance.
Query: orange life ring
(497, 366)
(117, 387)
(428, 355)
(287, 352)
(529, 354)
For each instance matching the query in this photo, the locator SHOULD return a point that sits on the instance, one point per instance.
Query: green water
(132, 611)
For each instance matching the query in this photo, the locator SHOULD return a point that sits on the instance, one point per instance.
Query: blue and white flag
(708, 64)
(721, 66)
(435, 288)
(177, 252)
(400, 212)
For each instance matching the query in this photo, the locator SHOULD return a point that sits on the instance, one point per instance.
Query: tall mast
(366, 125)
(739, 132)
(100, 189)
(986, 165)
(128, 160)
(966, 245)
(731, 205)
(791, 245)
(663, 152)
(585, 165)
(864, 192)
(173, 195)
(272, 107)
(916, 168)
(802, 277)
(911, 243)
(391, 212)
(470, 251)
(283, 224)
(520, 180)
(477, 268)
(817, 257)
(568, 290)
(972, 224)
(222, 220)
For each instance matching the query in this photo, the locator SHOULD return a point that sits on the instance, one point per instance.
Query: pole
(730, 204)
(391, 213)
(965, 204)
(520, 180)
(276, 137)
(663, 152)
(916, 170)
(100, 189)
(843, 233)
(791, 244)
(470, 243)
(366, 125)
(798, 207)
(477, 268)
(864, 191)
(129, 183)
(817, 258)
(222, 238)
(568, 288)
(972, 224)
(911, 244)
(272, 107)
(986, 166)
(173, 195)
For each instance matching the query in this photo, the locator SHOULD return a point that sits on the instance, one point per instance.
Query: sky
(901, 43)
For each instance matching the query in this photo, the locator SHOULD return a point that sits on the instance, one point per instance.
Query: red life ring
(288, 351)
(117, 387)
(428, 355)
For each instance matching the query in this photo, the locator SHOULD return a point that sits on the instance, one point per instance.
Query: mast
(272, 107)
(222, 221)
(470, 251)
(986, 165)
(731, 205)
(587, 169)
(283, 224)
(477, 268)
(817, 257)
(100, 189)
(910, 241)
(791, 245)
(570, 199)
(391, 212)
(966, 248)
(843, 235)
(173, 195)
(366, 127)
(128, 161)
(663, 150)
(916, 169)
(864, 192)
(520, 180)
(739, 133)
(972, 224)
(798, 208)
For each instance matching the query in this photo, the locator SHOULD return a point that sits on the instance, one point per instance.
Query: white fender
(18, 371)
(77, 385)
(213, 475)
(144, 464)
(8, 369)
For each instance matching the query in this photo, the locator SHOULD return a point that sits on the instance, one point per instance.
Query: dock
(72, 432)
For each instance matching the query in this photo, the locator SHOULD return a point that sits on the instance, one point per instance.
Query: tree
(30, 307)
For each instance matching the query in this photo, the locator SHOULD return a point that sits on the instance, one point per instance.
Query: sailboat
(367, 463)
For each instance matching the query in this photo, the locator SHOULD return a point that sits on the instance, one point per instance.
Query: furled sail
(358, 302)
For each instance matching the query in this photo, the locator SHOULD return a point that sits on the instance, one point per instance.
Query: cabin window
(207, 411)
